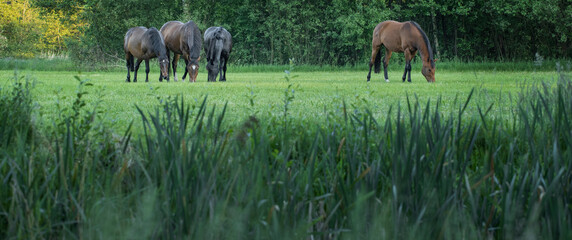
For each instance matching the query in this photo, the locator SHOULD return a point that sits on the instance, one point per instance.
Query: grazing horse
(218, 45)
(145, 44)
(406, 37)
(184, 39)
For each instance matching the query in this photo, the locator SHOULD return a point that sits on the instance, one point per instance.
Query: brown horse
(406, 37)
(184, 39)
(145, 44)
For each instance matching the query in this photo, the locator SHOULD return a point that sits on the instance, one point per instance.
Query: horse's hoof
(386, 80)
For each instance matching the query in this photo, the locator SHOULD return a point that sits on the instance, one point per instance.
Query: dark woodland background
(316, 32)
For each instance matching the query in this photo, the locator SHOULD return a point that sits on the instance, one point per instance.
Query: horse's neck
(423, 50)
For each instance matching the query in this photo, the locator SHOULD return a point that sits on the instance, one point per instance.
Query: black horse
(144, 44)
(217, 45)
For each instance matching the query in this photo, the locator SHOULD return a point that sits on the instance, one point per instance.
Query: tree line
(334, 32)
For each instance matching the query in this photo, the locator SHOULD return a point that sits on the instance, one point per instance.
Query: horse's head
(193, 69)
(164, 66)
(213, 69)
(428, 71)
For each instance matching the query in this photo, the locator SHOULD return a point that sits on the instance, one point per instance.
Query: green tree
(336, 32)
(109, 20)
(29, 28)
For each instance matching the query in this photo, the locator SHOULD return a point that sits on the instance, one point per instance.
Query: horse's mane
(157, 41)
(216, 35)
(426, 40)
(197, 40)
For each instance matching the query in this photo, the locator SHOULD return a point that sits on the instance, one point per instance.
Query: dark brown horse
(184, 39)
(406, 37)
(144, 44)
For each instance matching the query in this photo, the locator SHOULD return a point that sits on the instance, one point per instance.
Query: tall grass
(423, 173)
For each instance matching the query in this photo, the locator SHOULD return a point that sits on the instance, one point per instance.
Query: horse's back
(170, 31)
(133, 38)
(144, 43)
(410, 33)
(177, 35)
(171, 28)
(170, 24)
(214, 33)
(395, 36)
(388, 34)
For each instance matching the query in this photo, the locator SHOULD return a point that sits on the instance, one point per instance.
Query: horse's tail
(131, 63)
(377, 62)
(128, 56)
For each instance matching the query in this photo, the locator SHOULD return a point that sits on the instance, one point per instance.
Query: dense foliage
(335, 32)
(27, 28)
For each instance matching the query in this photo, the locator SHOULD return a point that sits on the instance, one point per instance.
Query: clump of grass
(52, 179)
(16, 111)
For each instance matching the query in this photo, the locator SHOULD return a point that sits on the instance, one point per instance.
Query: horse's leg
(168, 68)
(174, 63)
(407, 71)
(374, 52)
(136, 69)
(147, 70)
(407, 65)
(220, 70)
(129, 66)
(223, 68)
(186, 70)
(412, 55)
(386, 63)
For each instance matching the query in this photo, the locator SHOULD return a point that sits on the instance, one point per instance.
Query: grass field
(315, 93)
(316, 154)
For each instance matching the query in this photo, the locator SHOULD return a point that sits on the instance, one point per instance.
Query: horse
(184, 39)
(218, 45)
(406, 37)
(144, 44)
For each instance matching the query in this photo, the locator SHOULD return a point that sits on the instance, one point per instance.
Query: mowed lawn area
(313, 94)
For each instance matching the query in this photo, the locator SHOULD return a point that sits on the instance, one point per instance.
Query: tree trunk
(186, 10)
(455, 43)
(271, 48)
(438, 54)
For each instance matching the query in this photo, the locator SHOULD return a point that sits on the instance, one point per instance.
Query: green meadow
(261, 90)
(287, 152)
